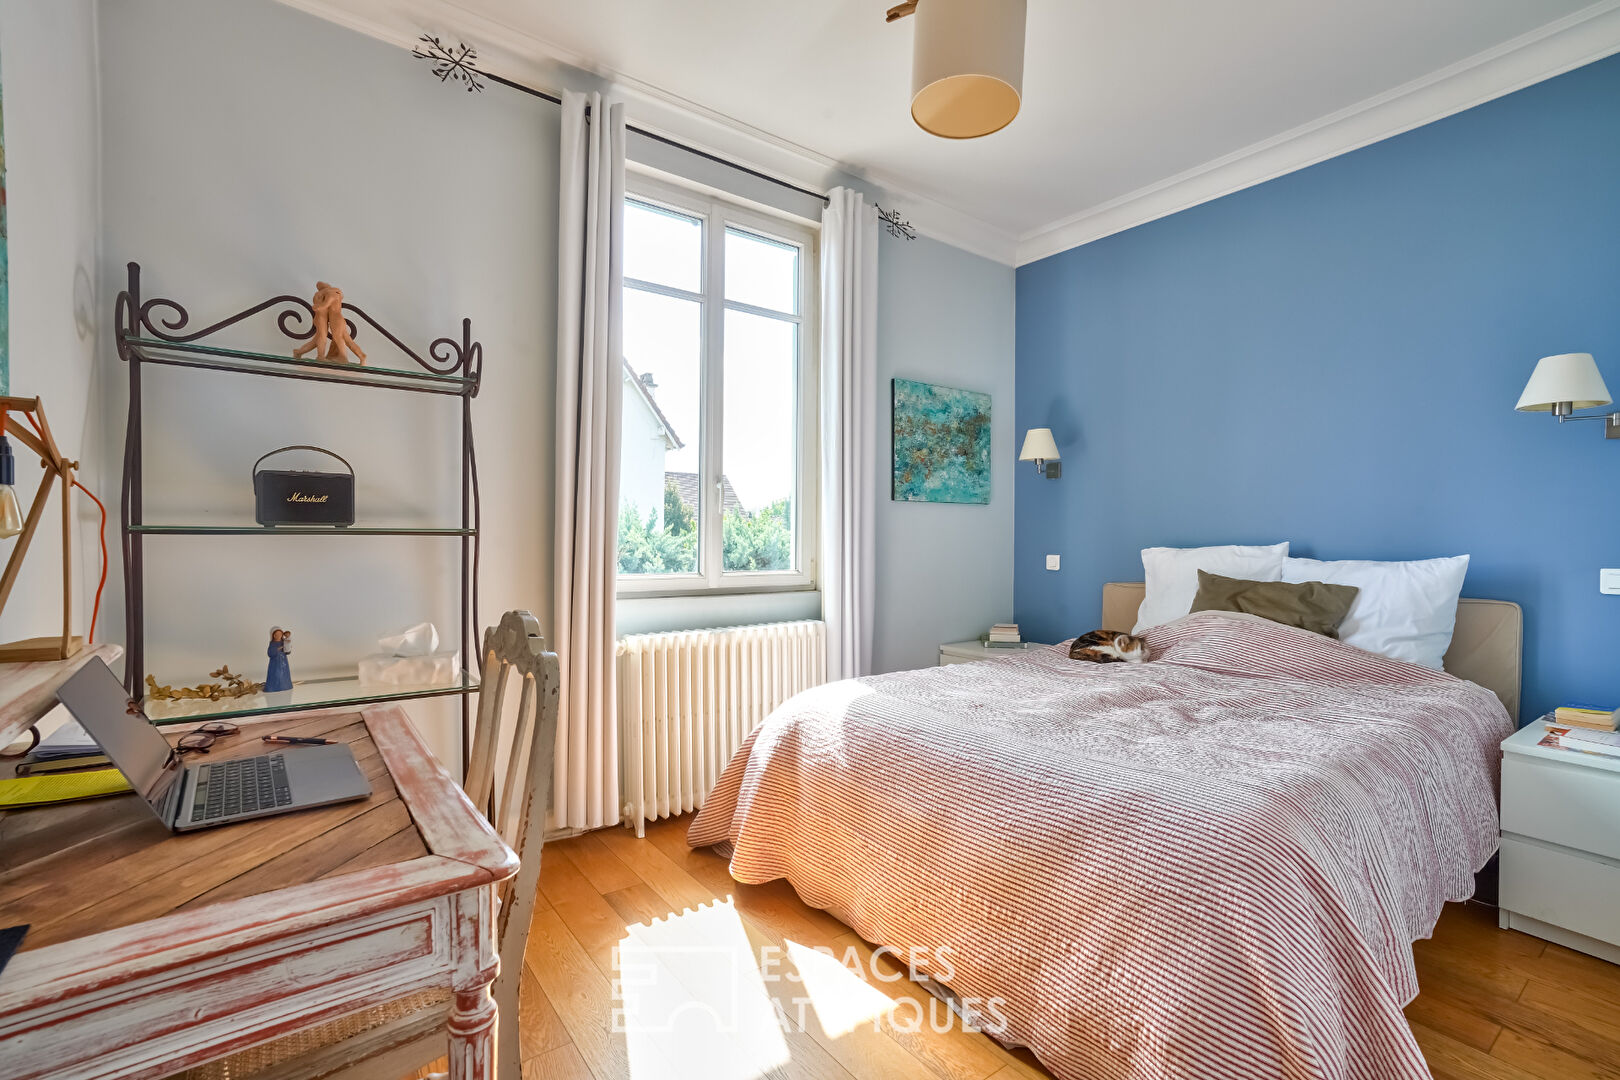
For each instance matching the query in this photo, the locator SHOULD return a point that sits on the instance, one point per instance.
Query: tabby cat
(1109, 647)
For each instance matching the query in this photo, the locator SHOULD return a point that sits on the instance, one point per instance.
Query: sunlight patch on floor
(689, 989)
(842, 999)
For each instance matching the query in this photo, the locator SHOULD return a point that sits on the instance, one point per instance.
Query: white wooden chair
(391, 1040)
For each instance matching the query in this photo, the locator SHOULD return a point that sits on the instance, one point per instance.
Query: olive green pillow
(1311, 605)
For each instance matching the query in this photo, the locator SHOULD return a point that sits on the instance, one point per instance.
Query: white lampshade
(1039, 446)
(967, 66)
(1571, 377)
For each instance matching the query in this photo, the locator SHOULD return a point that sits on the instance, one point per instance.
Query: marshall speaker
(294, 497)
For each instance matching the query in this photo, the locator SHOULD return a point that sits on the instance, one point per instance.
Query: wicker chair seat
(265, 1061)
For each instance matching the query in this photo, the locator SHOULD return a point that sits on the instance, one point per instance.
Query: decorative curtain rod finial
(898, 227)
(451, 64)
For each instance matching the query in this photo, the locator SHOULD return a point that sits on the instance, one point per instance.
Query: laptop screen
(97, 701)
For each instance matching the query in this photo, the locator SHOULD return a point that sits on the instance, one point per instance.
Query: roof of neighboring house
(672, 441)
(686, 489)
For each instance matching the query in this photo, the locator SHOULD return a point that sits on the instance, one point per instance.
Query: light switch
(1609, 581)
(1052, 564)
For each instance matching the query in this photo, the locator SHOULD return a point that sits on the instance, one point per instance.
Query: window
(717, 462)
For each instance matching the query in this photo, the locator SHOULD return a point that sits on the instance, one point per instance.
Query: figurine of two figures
(331, 336)
(279, 675)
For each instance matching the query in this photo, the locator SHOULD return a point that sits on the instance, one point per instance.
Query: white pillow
(1405, 610)
(1172, 575)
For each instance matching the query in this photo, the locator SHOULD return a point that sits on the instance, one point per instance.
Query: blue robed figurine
(279, 675)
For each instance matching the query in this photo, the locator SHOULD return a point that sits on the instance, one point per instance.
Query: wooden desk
(152, 952)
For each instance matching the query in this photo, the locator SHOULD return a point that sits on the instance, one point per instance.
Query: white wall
(48, 68)
(944, 572)
(270, 148)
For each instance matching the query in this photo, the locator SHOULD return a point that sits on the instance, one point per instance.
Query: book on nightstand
(1578, 740)
(1585, 716)
(1588, 741)
(1003, 635)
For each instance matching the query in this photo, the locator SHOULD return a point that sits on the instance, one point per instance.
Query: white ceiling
(1122, 98)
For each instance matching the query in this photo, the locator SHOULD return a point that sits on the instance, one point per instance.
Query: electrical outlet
(1609, 581)
(1052, 564)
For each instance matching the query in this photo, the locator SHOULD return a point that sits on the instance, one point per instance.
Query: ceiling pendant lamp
(967, 66)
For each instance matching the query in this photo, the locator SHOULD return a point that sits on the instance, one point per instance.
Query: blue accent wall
(1332, 358)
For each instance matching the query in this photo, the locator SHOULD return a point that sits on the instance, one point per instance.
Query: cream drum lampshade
(1567, 377)
(1039, 446)
(967, 67)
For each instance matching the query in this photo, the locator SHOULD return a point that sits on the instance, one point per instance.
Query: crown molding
(537, 62)
(1577, 39)
(1568, 43)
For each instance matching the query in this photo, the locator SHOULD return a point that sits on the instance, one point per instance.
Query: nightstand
(966, 652)
(1560, 844)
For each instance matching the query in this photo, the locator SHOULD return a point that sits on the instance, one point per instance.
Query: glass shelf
(313, 694)
(296, 530)
(212, 357)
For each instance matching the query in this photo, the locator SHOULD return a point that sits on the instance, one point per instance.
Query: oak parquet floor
(1494, 1004)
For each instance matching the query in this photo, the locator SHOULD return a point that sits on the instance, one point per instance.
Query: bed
(1210, 866)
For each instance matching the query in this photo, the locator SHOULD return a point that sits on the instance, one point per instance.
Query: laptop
(206, 793)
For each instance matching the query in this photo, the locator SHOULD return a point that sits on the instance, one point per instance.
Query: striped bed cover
(1210, 865)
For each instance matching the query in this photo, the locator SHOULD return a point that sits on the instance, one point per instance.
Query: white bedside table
(966, 652)
(1560, 869)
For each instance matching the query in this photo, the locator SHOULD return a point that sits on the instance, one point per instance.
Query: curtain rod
(460, 65)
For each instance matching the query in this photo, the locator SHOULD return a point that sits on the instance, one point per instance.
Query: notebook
(60, 787)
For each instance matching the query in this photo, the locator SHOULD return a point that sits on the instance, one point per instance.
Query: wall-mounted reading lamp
(1041, 448)
(1566, 382)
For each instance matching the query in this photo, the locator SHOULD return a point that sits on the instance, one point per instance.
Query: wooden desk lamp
(58, 468)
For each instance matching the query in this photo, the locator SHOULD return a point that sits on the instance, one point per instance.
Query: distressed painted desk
(152, 952)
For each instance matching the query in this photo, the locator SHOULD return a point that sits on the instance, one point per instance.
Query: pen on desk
(296, 740)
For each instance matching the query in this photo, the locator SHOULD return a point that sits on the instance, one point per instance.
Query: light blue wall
(1332, 358)
(944, 571)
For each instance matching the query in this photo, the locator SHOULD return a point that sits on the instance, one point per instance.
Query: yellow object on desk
(60, 787)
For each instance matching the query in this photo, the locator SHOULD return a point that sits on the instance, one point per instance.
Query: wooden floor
(1495, 1004)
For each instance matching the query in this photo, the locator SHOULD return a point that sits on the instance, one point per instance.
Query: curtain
(849, 240)
(589, 400)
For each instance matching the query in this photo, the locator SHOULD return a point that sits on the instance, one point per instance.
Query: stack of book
(1585, 716)
(1004, 635)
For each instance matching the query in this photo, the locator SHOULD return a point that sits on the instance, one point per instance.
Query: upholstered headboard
(1485, 648)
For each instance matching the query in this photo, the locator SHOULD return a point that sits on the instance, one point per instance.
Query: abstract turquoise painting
(941, 443)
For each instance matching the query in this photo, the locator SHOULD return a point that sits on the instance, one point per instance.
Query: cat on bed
(1109, 647)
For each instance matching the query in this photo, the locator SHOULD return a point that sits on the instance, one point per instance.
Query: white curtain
(589, 399)
(849, 241)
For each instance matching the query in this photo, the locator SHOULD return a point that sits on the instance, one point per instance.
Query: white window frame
(717, 212)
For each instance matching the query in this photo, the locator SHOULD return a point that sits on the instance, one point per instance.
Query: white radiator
(687, 699)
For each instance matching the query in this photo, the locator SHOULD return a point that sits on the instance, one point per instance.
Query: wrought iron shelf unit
(156, 331)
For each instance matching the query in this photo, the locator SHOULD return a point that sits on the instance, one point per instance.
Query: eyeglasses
(201, 739)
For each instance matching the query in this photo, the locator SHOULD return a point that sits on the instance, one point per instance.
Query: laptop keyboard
(240, 786)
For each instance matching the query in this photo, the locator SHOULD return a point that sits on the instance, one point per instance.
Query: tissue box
(435, 669)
